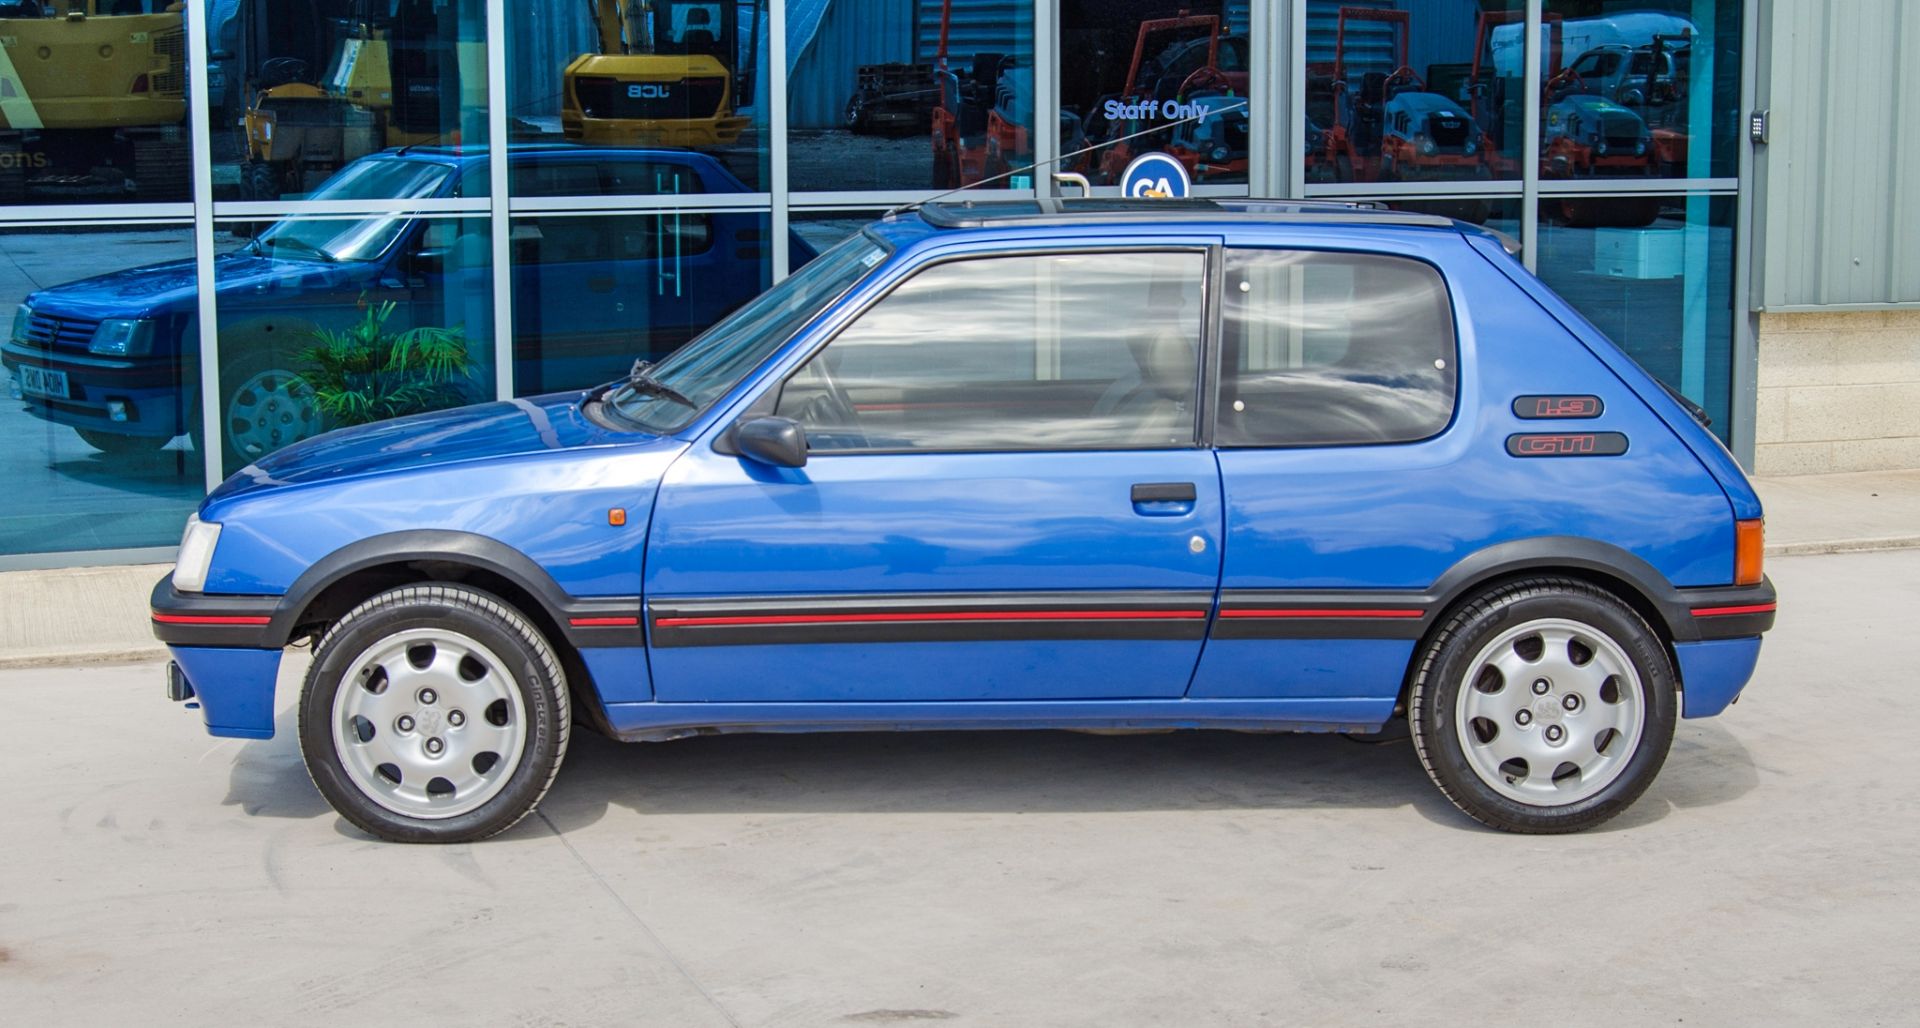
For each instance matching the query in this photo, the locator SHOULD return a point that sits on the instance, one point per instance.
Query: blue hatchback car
(1110, 465)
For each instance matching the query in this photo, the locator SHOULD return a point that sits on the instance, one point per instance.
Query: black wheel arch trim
(1675, 606)
(610, 620)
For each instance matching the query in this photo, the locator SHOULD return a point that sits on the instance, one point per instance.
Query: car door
(1003, 500)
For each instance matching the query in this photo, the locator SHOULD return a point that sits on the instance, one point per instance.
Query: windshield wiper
(641, 380)
(300, 244)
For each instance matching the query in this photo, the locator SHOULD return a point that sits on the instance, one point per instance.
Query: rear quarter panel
(1399, 516)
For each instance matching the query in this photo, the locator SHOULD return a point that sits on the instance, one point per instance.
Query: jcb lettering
(649, 91)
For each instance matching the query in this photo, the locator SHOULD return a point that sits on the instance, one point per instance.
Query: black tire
(1441, 670)
(121, 445)
(536, 673)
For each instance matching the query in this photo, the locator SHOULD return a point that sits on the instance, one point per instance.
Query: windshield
(714, 362)
(356, 239)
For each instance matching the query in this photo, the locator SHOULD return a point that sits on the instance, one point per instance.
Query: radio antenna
(1235, 106)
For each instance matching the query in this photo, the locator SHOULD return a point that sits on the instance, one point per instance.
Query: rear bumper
(1713, 673)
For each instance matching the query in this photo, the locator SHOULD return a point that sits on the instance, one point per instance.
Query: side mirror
(780, 442)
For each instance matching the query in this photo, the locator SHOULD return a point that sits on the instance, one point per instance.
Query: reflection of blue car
(1083, 464)
(116, 356)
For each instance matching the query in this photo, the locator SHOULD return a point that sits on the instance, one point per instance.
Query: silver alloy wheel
(428, 723)
(271, 409)
(1550, 712)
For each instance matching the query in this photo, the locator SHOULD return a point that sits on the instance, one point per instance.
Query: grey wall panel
(1840, 227)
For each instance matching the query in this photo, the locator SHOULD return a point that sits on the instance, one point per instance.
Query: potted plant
(365, 373)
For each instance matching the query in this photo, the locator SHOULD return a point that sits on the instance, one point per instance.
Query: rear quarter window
(1333, 349)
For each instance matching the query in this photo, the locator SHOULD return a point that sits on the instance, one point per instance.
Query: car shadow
(986, 771)
(1031, 772)
(268, 778)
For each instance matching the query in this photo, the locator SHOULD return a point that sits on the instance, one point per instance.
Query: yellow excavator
(93, 100)
(385, 86)
(669, 73)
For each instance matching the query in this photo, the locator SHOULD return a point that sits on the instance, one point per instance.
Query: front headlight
(122, 337)
(196, 554)
(22, 317)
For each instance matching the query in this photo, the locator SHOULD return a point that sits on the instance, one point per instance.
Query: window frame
(1217, 362)
(1206, 355)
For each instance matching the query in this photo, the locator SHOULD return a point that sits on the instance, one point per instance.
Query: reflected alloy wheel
(270, 409)
(1545, 705)
(434, 713)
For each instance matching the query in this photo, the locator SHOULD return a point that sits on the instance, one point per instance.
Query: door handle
(1164, 492)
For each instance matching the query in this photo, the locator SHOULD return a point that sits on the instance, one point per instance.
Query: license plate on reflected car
(43, 382)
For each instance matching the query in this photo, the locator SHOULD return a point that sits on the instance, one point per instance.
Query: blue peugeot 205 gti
(1109, 465)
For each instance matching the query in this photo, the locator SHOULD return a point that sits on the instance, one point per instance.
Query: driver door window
(1086, 351)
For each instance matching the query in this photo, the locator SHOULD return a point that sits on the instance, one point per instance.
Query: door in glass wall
(1414, 90)
(1662, 290)
(910, 94)
(93, 102)
(328, 322)
(593, 293)
(1641, 88)
(1143, 75)
(647, 75)
(101, 409)
(303, 88)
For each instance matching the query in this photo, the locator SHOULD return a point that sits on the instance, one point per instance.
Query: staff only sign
(1155, 174)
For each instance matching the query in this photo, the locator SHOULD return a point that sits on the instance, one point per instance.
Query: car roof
(1078, 211)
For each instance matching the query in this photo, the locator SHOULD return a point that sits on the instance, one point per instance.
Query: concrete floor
(150, 873)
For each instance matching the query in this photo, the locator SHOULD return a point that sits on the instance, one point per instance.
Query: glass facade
(388, 206)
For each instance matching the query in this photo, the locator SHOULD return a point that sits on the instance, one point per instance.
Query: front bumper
(234, 688)
(228, 650)
(147, 390)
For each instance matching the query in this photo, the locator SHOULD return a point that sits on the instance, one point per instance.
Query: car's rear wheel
(434, 713)
(1544, 706)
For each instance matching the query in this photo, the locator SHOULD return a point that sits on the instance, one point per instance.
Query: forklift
(397, 76)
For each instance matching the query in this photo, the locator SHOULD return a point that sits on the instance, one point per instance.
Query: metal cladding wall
(827, 40)
(1839, 214)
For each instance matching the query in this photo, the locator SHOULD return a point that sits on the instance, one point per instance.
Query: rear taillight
(1749, 551)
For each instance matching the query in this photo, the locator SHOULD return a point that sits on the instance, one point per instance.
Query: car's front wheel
(1543, 706)
(434, 713)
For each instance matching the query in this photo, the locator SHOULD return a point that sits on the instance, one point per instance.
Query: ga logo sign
(1155, 175)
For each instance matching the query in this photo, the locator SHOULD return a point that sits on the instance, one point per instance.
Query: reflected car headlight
(122, 337)
(196, 554)
(1640, 148)
(1472, 148)
(22, 316)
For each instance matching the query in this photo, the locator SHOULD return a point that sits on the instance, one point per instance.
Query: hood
(485, 431)
(170, 288)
